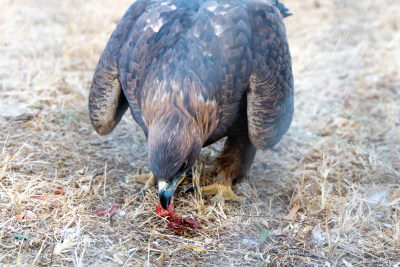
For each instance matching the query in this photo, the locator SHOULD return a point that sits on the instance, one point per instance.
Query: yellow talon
(221, 192)
(143, 178)
(148, 179)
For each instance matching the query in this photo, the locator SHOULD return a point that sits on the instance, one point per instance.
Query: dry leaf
(103, 212)
(161, 259)
(29, 215)
(292, 214)
(200, 249)
(317, 236)
(19, 217)
(59, 191)
(114, 209)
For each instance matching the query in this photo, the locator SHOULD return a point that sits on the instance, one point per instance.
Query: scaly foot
(148, 179)
(221, 192)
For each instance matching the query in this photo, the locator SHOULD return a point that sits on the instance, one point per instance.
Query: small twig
(148, 248)
(5, 143)
(274, 218)
(52, 253)
(333, 250)
(39, 252)
(140, 232)
(97, 174)
(310, 256)
(161, 259)
(345, 250)
(288, 238)
(112, 219)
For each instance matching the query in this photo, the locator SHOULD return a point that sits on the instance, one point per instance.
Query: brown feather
(270, 92)
(107, 102)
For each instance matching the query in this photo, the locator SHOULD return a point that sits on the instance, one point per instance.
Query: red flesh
(176, 222)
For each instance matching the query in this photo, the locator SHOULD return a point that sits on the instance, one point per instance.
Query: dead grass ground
(339, 163)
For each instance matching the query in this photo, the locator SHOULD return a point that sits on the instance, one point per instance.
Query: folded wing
(107, 102)
(270, 94)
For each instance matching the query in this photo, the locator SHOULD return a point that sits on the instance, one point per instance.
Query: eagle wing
(107, 102)
(270, 92)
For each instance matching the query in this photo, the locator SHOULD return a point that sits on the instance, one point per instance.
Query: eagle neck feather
(183, 98)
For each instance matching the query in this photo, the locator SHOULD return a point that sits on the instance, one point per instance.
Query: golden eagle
(193, 72)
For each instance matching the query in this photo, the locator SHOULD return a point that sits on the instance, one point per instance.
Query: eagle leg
(234, 162)
(148, 179)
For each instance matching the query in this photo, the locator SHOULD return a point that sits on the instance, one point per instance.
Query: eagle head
(174, 145)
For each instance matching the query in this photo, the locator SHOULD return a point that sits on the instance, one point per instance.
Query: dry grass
(338, 168)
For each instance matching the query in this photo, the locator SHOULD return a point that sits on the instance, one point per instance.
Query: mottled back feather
(197, 59)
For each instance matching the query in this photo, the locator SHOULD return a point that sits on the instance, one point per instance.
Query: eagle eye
(183, 167)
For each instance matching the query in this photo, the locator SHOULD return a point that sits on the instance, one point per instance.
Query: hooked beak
(166, 190)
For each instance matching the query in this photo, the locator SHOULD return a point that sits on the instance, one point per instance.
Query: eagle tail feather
(282, 8)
